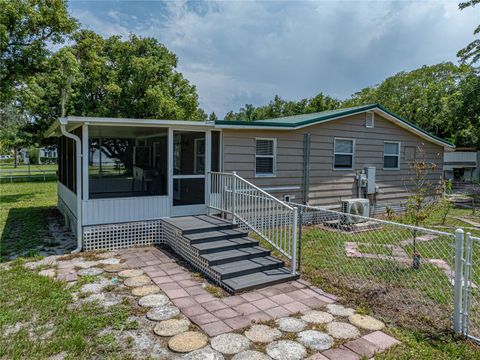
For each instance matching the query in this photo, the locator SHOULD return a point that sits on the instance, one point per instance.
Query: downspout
(78, 146)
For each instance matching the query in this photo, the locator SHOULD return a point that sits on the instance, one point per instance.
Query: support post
(294, 240)
(234, 197)
(300, 225)
(467, 284)
(457, 304)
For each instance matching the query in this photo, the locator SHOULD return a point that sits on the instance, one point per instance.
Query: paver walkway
(273, 315)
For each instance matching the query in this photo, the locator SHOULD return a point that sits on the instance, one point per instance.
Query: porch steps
(237, 259)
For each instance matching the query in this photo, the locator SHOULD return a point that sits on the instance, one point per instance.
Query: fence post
(294, 240)
(234, 197)
(299, 237)
(457, 292)
(467, 284)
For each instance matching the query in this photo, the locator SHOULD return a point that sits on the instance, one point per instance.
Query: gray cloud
(239, 52)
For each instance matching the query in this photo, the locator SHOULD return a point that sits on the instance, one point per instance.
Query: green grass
(6, 169)
(24, 211)
(50, 326)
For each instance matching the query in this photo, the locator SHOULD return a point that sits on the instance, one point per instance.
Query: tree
(472, 50)
(133, 78)
(27, 28)
(212, 116)
(12, 136)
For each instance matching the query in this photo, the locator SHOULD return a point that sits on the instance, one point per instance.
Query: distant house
(122, 181)
(462, 165)
(42, 155)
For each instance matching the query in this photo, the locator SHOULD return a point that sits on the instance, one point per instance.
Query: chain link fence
(404, 272)
(471, 296)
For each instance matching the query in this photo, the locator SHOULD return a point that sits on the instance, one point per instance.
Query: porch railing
(256, 210)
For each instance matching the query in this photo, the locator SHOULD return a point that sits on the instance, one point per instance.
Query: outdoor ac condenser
(359, 207)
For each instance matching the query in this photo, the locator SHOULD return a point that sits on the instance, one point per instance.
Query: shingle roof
(315, 118)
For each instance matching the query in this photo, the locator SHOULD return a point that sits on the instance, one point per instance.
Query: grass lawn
(24, 212)
(38, 322)
(9, 168)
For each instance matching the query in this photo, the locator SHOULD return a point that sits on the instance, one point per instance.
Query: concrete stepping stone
(47, 272)
(171, 327)
(286, 350)
(84, 264)
(161, 313)
(106, 255)
(110, 261)
(315, 340)
(153, 300)
(366, 322)
(262, 333)
(187, 341)
(130, 273)
(341, 330)
(230, 343)
(317, 317)
(96, 287)
(145, 290)
(251, 355)
(289, 324)
(207, 353)
(339, 310)
(137, 281)
(93, 271)
(114, 268)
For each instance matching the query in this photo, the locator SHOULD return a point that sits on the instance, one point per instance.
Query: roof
(299, 121)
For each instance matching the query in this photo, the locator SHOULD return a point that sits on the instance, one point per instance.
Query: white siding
(68, 197)
(117, 210)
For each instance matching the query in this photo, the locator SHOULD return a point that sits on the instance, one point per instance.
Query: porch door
(189, 172)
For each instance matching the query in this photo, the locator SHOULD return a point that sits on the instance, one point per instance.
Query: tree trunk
(15, 158)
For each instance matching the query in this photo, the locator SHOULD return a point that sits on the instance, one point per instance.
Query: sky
(246, 52)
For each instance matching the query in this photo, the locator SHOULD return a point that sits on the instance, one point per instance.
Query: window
(265, 157)
(369, 119)
(199, 160)
(391, 155)
(343, 154)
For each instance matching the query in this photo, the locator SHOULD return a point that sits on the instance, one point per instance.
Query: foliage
(443, 99)
(472, 50)
(12, 133)
(135, 78)
(27, 28)
(279, 107)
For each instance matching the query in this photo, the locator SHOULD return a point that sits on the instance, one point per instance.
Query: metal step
(217, 234)
(245, 267)
(259, 279)
(228, 256)
(199, 223)
(223, 245)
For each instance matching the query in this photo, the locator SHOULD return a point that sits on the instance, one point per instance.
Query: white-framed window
(265, 157)
(391, 155)
(369, 119)
(343, 151)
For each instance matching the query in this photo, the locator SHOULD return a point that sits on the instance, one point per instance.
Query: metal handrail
(255, 209)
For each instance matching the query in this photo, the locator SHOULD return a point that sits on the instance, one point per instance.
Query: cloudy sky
(239, 52)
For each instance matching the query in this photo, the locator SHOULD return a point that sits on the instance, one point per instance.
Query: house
(462, 165)
(45, 155)
(125, 182)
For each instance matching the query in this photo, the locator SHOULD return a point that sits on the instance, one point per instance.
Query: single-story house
(117, 177)
(462, 165)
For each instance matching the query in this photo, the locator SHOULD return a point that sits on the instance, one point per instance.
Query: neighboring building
(46, 155)
(462, 165)
(142, 169)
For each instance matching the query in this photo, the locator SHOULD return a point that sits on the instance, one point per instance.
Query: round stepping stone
(171, 327)
(145, 290)
(137, 281)
(154, 300)
(366, 322)
(47, 273)
(165, 312)
(339, 310)
(250, 355)
(90, 272)
(130, 273)
(187, 341)
(230, 343)
(205, 353)
(286, 350)
(341, 330)
(315, 340)
(262, 333)
(110, 261)
(114, 268)
(289, 324)
(317, 317)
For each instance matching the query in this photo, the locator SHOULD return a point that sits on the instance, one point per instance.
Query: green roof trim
(314, 118)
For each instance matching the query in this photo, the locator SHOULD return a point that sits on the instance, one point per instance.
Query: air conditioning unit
(359, 207)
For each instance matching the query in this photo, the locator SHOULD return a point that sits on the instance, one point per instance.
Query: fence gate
(470, 304)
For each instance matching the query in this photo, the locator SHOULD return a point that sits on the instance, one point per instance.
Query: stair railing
(254, 209)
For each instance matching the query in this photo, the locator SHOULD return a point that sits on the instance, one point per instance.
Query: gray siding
(329, 186)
